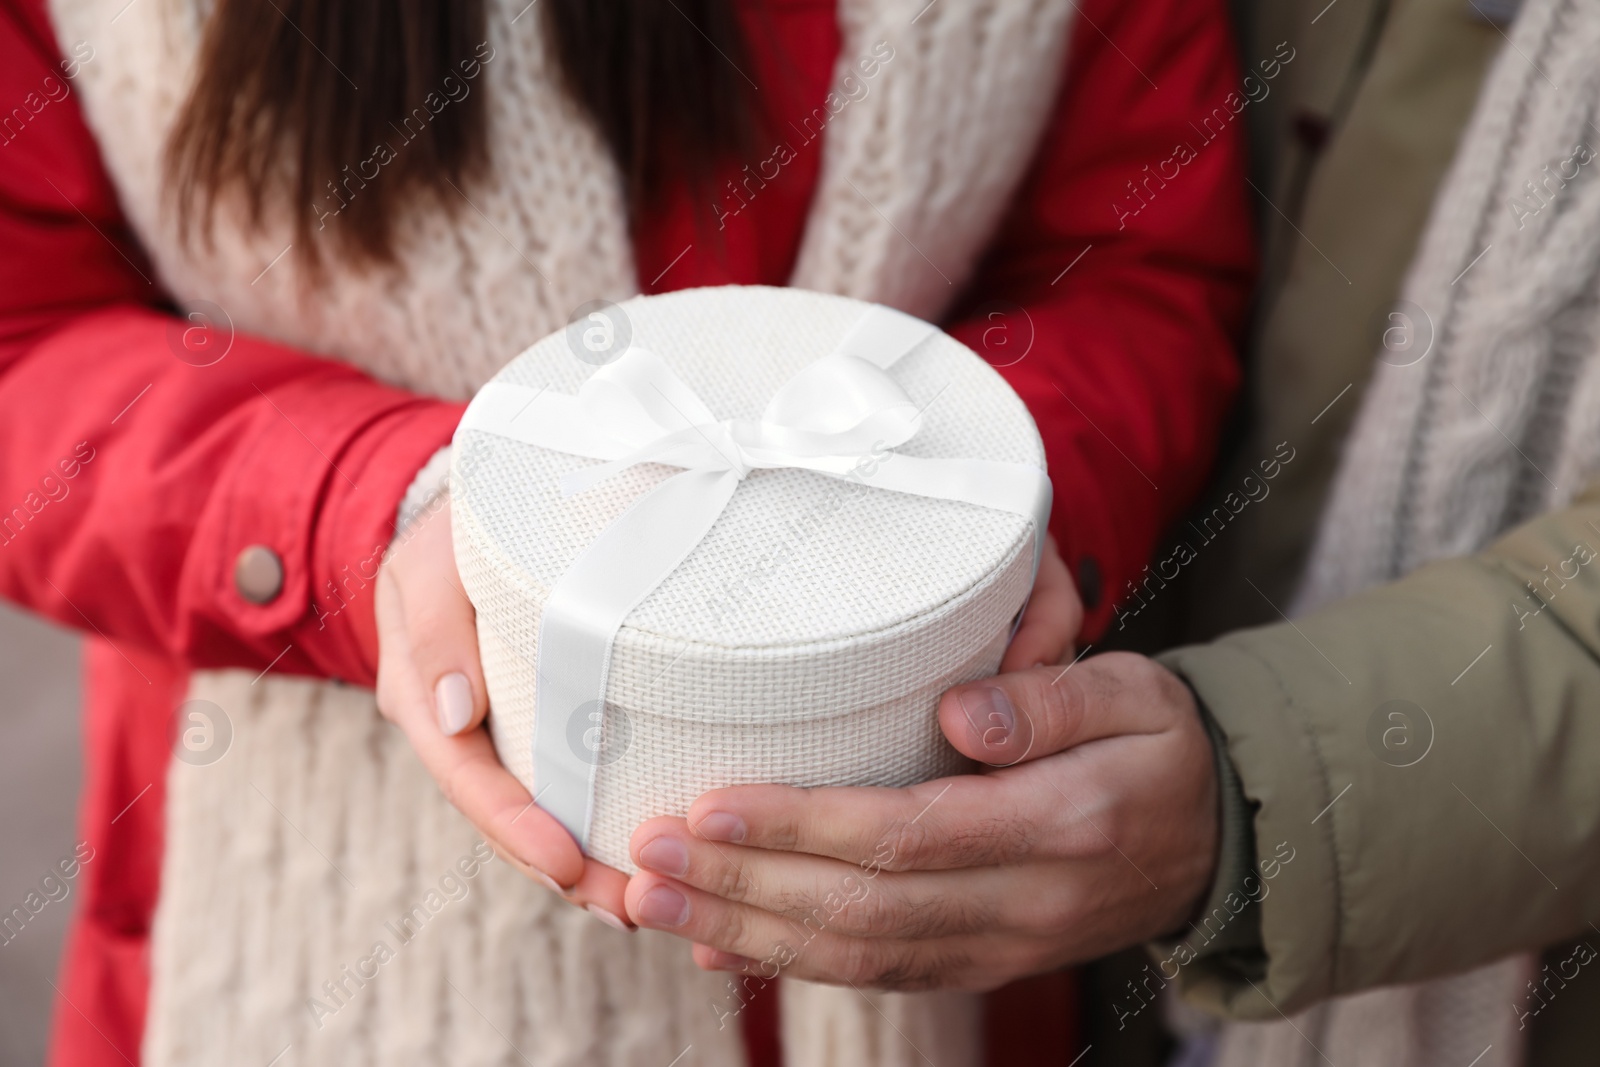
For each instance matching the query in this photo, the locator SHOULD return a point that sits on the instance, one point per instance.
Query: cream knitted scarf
(1498, 422)
(317, 905)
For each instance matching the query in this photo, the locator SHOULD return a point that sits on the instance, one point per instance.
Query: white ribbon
(827, 418)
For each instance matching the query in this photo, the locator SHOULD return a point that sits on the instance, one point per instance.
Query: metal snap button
(258, 574)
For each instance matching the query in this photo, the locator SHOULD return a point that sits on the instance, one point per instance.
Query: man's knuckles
(1050, 712)
(719, 874)
(905, 845)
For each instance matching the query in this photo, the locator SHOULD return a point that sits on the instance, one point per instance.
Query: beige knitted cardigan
(1497, 423)
(318, 838)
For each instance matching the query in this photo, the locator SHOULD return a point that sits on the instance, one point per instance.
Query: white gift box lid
(807, 638)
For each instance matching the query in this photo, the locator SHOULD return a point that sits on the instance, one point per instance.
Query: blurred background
(39, 778)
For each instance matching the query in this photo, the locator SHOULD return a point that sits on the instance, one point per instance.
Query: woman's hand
(430, 684)
(1094, 828)
(1052, 618)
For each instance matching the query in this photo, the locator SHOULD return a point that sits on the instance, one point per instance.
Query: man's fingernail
(990, 712)
(664, 906)
(452, 702)
(729, 961)
(665, 855)
(721, 826)
(607, 917)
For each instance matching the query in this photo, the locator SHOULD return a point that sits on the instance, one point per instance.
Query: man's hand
(1094, 828)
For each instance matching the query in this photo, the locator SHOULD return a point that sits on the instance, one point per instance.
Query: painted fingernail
(721, 826)
(606, 917)
(665, 855)
(545, 880)
(664, 906)
(528, 869)
(990, 712)
(452, 702)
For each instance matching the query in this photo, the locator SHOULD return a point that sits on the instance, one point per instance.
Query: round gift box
(807, 638)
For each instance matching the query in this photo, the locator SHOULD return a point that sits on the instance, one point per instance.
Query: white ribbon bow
(828, 418)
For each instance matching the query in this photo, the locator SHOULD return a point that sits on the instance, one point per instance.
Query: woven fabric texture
(807, 639)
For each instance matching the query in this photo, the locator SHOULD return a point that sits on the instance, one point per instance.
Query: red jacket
(131, 479)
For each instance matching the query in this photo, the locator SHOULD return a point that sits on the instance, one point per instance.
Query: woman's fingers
(600, 891)
(464, 765)
(431, 685)
(441, 624)
(473, 779)
(1052, 619)
(470, 775)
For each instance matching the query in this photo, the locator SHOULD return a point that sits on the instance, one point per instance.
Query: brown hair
(313, 102)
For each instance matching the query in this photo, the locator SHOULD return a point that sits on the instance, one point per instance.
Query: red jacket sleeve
(1116, 289)
(132, 478)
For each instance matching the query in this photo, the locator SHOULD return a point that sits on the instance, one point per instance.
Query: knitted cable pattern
(1490, 426)
(1499, 421)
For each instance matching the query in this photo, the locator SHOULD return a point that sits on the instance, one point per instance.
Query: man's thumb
(1026, 715)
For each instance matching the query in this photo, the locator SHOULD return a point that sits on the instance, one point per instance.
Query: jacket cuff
(1237, 874)
(1272, 847)
(1225, 931)
(328, 461)
(1227, 921)
(360, 523)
